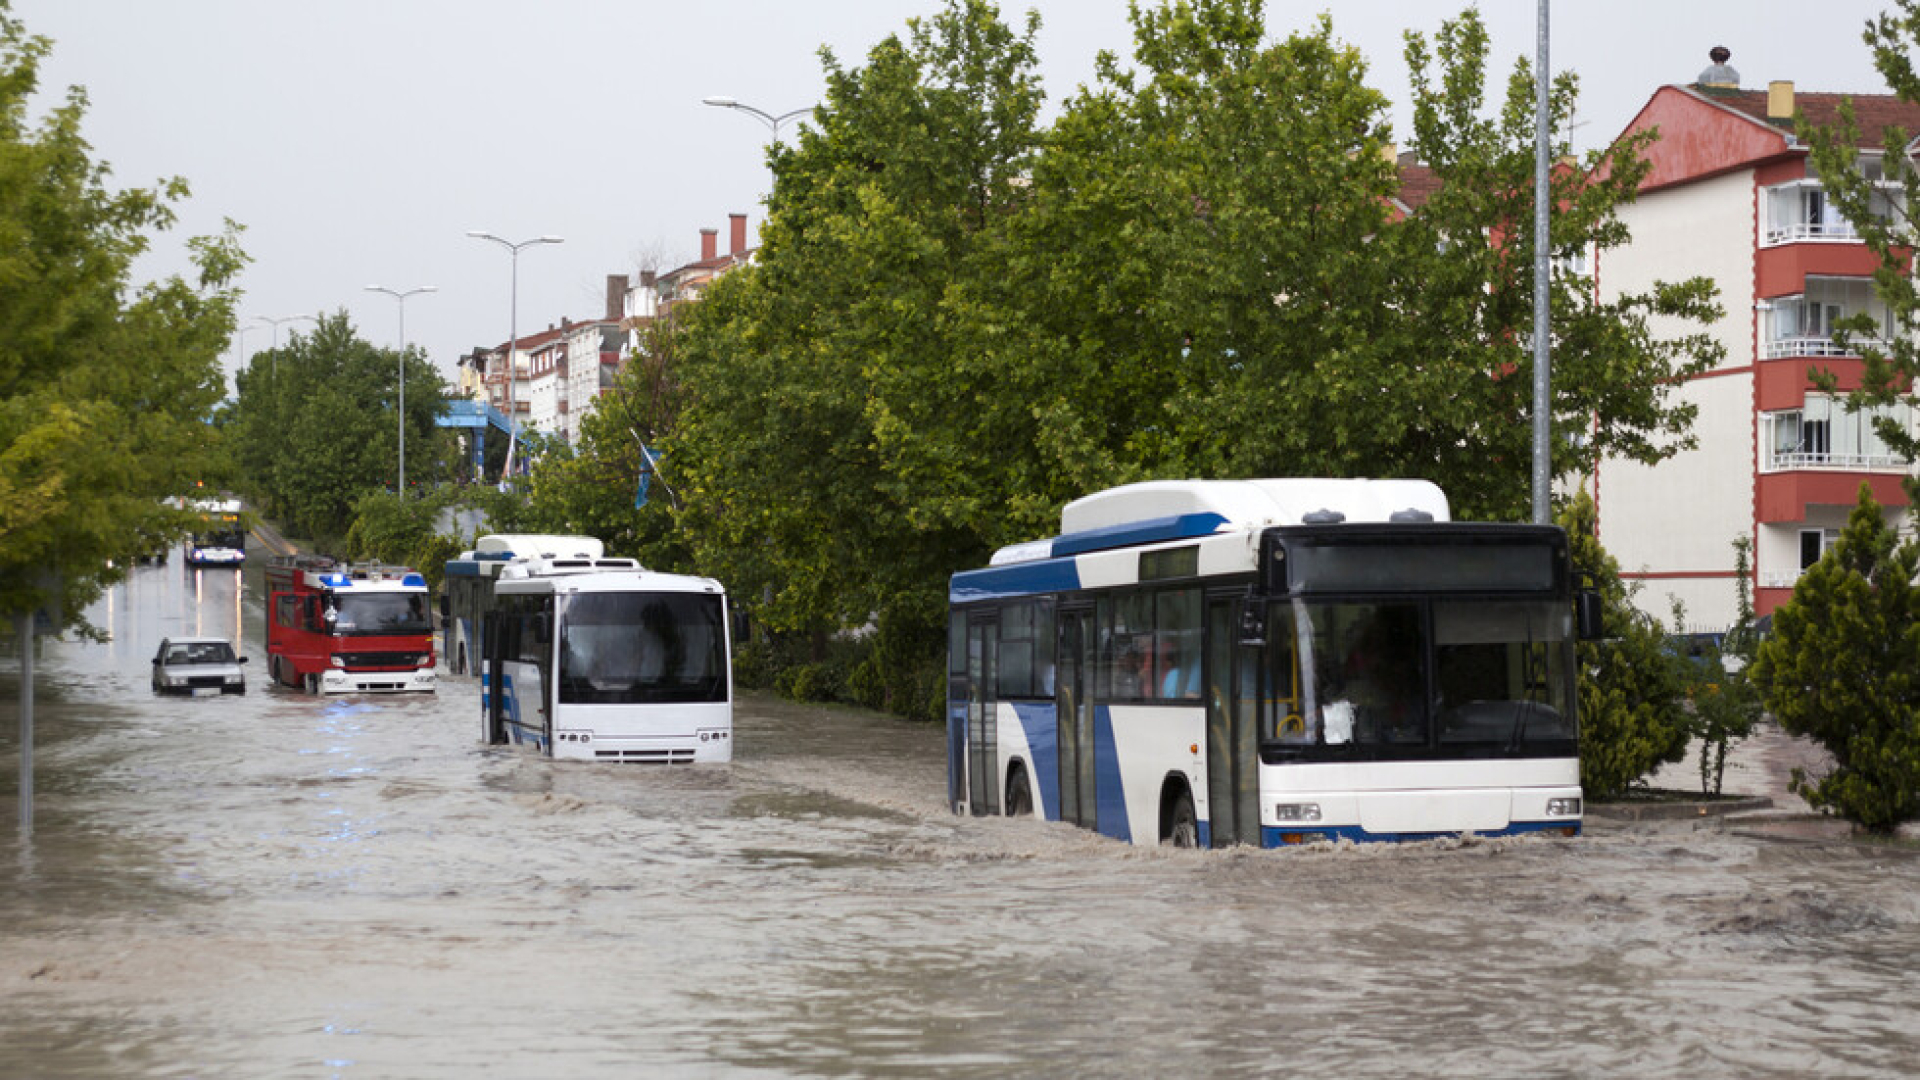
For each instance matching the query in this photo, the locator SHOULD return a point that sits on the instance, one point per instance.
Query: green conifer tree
(1842, 667)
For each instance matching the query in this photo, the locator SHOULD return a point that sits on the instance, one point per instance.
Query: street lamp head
(721, 100)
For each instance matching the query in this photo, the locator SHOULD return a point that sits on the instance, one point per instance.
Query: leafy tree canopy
(314, 427)
(106, 387)
(959, 319)
(1887, 226)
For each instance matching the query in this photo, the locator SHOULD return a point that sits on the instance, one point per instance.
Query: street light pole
(513, 334)
(402, 298)
(773, 122)
(276, 335)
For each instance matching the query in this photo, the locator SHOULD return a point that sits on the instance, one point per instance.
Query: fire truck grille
(380, 661)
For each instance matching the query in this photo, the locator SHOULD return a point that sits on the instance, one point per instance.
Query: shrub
(1632, 718)
(1842, 667)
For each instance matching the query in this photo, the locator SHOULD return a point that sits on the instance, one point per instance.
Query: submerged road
(281, 885)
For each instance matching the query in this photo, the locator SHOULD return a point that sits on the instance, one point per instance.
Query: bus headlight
(1301, 811)
(424, 661)
(1563, 807)
(337, 660)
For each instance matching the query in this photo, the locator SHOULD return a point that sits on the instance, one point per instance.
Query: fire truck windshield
(379, 613)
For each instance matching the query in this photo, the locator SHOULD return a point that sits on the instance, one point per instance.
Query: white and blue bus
(466, 590)
(602, 660)
(221, 539)
(1270, 662)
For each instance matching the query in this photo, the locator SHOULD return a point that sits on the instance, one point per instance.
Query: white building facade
(1732, 196)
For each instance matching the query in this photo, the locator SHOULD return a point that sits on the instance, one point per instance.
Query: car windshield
(201, 652)
(380, 613)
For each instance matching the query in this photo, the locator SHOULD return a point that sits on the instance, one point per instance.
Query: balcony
(1784, 461)
(1784, 347)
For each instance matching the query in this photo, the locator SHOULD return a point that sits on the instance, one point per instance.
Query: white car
(184, 665)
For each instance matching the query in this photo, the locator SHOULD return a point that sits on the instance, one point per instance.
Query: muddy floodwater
(288, 886)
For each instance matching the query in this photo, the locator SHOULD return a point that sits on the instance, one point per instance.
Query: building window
(1804, 325)
(1823, 434)
(1814, 543)
(1801, 212)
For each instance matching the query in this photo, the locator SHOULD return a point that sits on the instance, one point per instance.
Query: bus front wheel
(1180, 827)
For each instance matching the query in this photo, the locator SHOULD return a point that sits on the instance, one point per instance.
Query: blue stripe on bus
(1110, 802)
(1020, 579)
(462, 568)
(1043, 747)
(1152, 530)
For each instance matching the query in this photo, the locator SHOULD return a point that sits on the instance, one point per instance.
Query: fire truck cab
(340, 629)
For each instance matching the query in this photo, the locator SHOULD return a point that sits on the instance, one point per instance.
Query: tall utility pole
(402, 298)
(513, 334)
(1542, 283)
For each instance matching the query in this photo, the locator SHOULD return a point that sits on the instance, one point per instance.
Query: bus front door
(1073, 715)
(983, 751)
(1233, 750)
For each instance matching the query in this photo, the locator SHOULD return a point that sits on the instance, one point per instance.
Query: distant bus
(1270, 662)
(221, 538)
(334, 629)
(466, 590)
(602, 660)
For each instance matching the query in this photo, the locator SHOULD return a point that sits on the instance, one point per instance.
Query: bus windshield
(222, 538)
(1452, 675)
(380, 613)
(642, 648)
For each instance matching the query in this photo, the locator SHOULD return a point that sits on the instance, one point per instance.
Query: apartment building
(1732, 195)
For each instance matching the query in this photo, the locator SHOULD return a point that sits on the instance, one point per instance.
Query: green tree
(958, 321)
(1842, 667)
(314, 427)
(806, 380)
(406, 531)
(1722, 701)
(106, 388)
(593, 488)
(1631, 691)
(1886, 224)
(1456, 336)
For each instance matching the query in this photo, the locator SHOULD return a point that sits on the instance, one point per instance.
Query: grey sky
(359, 140)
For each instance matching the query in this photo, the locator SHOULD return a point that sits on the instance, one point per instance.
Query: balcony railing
(1777, 348)
(1786, 462)
(1816, 231)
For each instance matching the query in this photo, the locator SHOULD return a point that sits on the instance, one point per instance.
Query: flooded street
(282, 885)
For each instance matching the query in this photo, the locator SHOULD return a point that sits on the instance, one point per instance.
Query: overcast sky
(359, 140)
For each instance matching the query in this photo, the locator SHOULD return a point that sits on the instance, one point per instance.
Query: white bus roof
(599, 575)
(1254, 503)
(536, 546)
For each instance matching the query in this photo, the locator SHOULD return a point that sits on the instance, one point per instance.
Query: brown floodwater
(289, 886)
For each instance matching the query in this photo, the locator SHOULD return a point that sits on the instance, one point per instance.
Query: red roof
(1874, 113)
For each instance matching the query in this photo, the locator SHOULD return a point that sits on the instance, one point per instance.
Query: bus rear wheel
(1181, 827)
(1019, 794)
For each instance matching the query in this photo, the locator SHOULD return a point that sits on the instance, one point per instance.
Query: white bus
(221, 538)
(466, 590)
(1270, 662)
(602, 660)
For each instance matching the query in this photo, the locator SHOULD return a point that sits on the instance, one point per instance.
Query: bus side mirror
(1253, 628)
(1586, 611)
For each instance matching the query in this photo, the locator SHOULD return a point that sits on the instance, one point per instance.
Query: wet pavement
(281, 885)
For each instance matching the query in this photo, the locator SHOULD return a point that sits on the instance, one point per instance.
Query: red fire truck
(340, 629)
